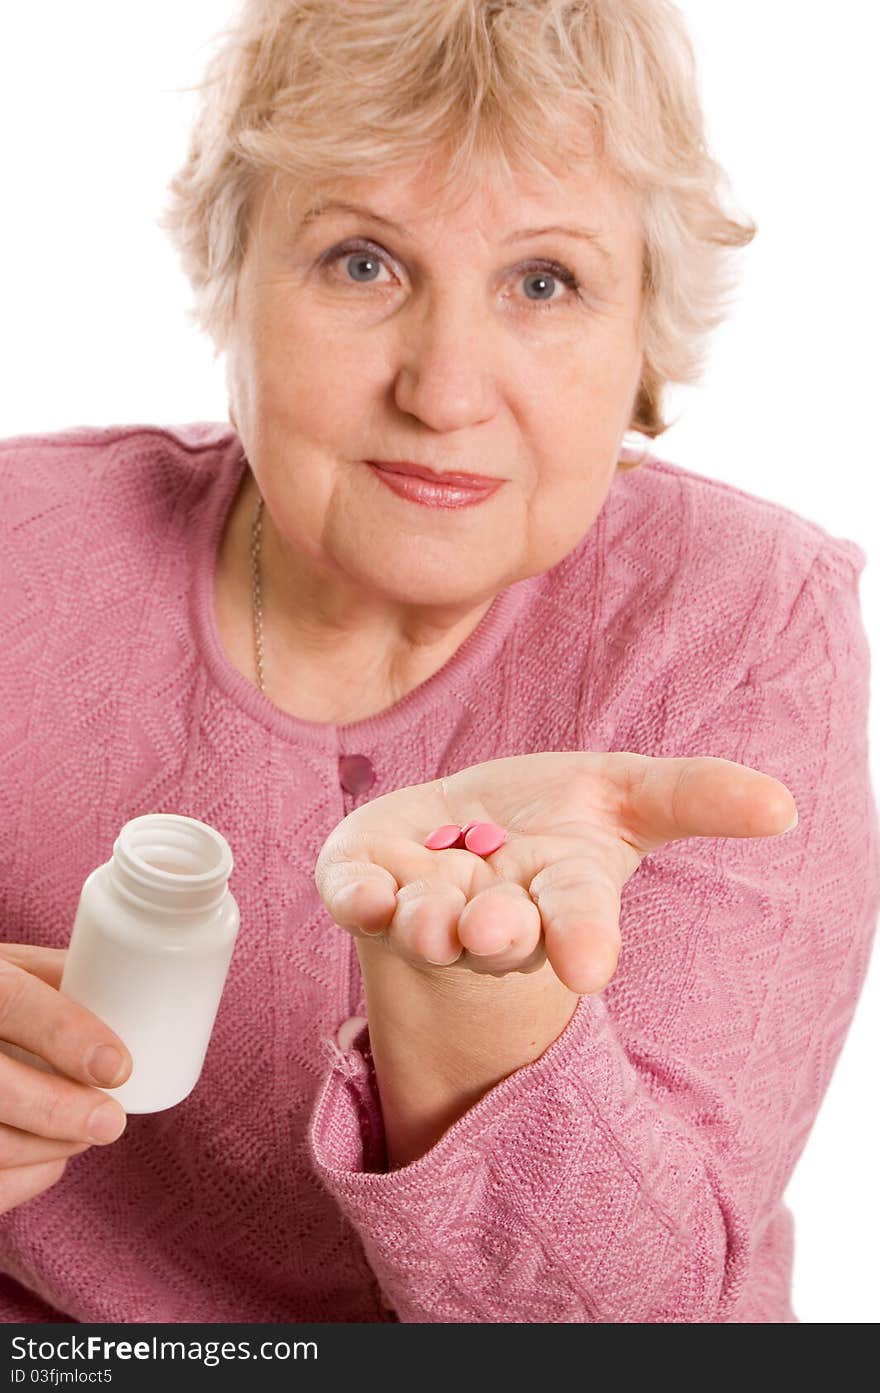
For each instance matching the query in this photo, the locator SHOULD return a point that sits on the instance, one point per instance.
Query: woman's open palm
(578, 824)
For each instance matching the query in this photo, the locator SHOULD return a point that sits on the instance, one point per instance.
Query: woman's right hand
(47, 1117)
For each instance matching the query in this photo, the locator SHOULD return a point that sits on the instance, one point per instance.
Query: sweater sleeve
(629, 1173)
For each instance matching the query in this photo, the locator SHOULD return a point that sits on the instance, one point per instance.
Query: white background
(94, 332)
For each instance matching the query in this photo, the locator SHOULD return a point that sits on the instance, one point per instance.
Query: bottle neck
(171, 865)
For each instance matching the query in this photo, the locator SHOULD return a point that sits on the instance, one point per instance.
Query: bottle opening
(170, 861)
(171, 844)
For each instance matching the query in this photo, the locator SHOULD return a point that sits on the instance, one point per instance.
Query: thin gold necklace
(256, 540)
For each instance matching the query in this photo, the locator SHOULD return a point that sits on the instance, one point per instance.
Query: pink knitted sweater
(636, 1171)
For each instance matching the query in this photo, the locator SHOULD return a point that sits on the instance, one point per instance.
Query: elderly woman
(557, 1068)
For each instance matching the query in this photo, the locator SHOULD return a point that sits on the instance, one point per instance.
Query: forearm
(441, 1040)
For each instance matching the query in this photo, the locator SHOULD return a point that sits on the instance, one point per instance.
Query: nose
(444, 373)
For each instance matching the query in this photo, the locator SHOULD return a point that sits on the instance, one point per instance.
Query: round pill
(468, 825)
(484, 838)
(443, 837)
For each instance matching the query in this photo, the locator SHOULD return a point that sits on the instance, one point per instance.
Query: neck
(323, 662)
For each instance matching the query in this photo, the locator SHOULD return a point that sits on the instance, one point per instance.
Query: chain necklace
(256, 541)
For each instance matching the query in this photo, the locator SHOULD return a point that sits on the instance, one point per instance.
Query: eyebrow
(584, 234)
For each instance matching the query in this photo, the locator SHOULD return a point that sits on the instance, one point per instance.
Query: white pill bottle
(150, 949)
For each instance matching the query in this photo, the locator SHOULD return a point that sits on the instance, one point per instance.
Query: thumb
(705, 796)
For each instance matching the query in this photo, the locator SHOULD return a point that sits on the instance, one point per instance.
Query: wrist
(469, 1023)
(442, 1038)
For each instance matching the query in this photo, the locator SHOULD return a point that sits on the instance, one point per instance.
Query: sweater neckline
(456, 675)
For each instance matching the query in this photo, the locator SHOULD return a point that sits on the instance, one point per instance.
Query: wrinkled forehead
(416, 195)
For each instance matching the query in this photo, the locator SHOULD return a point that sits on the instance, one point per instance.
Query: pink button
(485, 837)
(356, 773)
(444, 837)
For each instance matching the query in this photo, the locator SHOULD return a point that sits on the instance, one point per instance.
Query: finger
(52, 1106)
(704, 797)
(501, 928)
(46, 963)
(424, 925)
(18, 1148)
(358, 894)
(579, 905)
(17, 1186)
(65, 1034)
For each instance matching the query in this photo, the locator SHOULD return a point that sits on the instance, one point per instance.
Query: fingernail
(105, 1064)
(107, 1122)
(792, 824)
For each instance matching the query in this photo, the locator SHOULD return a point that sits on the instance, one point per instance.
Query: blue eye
(360, 256)
(543, 281)
(361, 259)
(544, 273)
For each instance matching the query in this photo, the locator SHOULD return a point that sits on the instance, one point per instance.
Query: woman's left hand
(578, 826)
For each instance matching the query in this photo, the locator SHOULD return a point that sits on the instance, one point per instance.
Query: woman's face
(453, 339)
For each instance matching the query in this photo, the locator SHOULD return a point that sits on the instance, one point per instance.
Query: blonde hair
(321, 89)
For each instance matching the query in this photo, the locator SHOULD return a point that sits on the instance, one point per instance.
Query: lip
(434, 476)
(436, 491)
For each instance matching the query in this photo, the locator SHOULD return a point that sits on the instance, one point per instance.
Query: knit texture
(636, 1171)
